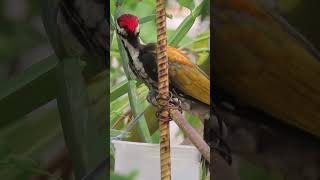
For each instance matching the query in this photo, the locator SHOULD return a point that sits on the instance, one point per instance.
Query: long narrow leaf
(82, 130)
(141, 127)
(185, 26)
(30, 90)
(151, 18)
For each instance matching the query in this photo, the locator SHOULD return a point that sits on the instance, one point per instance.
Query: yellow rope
(163, 87)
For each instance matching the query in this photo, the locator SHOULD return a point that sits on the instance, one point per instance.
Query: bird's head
(128, 25)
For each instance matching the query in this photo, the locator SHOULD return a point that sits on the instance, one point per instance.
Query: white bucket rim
(177, 151)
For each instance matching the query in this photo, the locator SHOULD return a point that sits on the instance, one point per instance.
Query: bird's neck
(132, 45)
(134, 49)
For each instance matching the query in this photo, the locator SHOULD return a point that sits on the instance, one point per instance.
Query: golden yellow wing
(188, 77)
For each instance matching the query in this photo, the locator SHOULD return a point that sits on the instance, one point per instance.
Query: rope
(163, 89)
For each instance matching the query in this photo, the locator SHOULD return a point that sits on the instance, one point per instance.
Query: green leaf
(151, 17)
(141, 127)
(156, 137)
(185, 26)
(187, 3)
(119, 90)
(31, 89)
(131, 176)
(114, 133)
(117, 108)
(112, 22)
(201, 41)
(147, 19)
(82, 130)
(136, 108)
(112, 6)
(122, 88)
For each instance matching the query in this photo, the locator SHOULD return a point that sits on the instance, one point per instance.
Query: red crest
(128, 22)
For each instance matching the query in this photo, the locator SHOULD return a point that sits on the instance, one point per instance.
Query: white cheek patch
(121, 30)
(134, 53)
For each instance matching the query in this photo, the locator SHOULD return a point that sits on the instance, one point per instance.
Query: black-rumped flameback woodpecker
(189, 86)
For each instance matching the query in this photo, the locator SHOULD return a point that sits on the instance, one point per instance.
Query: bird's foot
(172, 102)
(152, 97)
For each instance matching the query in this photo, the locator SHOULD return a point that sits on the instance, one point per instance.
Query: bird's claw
(172, 103)
(152, 98)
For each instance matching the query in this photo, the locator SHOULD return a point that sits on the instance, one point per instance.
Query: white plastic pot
(145, 159)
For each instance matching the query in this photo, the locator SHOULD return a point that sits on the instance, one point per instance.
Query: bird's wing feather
(266, 65)
(188, 77)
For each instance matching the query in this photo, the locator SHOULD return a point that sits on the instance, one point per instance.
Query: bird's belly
(143, 76)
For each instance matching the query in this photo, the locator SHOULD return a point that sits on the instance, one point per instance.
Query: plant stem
(142, 127)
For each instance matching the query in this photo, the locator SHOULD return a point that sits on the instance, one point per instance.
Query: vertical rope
(163, 88)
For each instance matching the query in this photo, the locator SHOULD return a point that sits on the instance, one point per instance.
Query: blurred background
(31, 145)
(23, 37)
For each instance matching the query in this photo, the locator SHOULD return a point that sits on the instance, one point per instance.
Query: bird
(189, 86)
(262, 62)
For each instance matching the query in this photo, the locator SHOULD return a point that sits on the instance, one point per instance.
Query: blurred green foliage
(22, 143)
(17, 35)
(30, 130)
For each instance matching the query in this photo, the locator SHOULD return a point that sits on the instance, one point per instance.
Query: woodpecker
(189, 86)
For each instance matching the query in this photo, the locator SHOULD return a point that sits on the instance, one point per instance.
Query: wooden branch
(220, 169)
(192, 134)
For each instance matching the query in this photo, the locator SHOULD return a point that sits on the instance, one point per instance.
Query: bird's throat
(133, 49)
